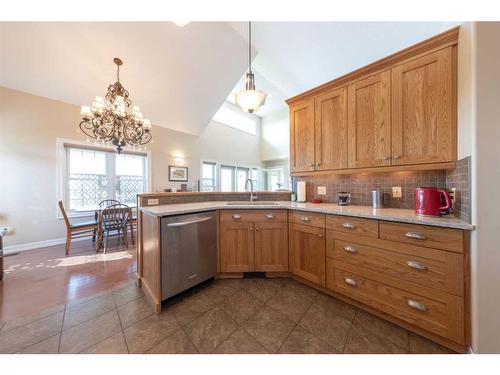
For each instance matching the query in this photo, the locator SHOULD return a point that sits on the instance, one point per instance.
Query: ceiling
(180, 76)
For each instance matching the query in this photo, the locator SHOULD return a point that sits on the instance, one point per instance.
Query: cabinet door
(331, 130)
(271, 247)
(423, 122)
(302, 137)
(307, 253)
(236, 247)
(369, 122)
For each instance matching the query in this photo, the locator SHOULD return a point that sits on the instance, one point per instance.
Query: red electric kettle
(431, 201)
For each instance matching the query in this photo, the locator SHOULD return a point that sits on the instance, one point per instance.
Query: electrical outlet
(453, 196)
(153, 202)
(396, 192)
(321, 190)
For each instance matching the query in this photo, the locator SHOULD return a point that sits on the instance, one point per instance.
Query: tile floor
(222, 316)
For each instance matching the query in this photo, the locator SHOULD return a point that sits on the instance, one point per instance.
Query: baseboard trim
(38, 245)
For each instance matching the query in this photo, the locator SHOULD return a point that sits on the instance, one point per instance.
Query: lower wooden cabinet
(307, 252)
(247, 246)
(236, 247)
(271, 247)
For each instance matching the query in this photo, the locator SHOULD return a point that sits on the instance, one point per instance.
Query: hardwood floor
(42, 278)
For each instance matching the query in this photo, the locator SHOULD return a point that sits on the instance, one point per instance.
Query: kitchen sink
(246, 203)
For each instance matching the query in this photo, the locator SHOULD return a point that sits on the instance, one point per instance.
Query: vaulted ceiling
(180, 76)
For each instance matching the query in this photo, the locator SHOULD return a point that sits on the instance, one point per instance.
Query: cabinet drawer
(439, 269)
(347, 224)
(442, 315)
(422, 235)
(307, 218)
(251, 216)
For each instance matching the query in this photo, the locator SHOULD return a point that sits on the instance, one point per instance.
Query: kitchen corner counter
(387, 214)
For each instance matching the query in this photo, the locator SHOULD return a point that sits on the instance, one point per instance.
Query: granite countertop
(388, 214)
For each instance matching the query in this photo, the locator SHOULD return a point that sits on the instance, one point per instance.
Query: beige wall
(29, 126)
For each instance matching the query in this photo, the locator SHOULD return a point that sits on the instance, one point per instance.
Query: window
(94, 175)
(208, 176)
(232, 116)
(227, 178)
(276, 178)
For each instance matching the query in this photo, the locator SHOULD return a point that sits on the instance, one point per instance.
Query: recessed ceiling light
(181, 23)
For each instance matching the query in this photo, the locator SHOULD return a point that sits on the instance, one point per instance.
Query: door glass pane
(227, 178)
(87, 184)
(242, 176)
(130, 178)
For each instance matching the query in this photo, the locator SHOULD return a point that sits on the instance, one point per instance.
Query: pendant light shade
(250, 99)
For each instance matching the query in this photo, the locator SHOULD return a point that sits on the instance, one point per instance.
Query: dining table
(131, 222)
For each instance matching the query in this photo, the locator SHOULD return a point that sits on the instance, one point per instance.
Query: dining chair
(76, 230)
(114, 218)
(102, 204)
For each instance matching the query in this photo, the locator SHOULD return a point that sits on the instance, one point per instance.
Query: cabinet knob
(305, 219)
(350, 281)
(397, 156)
(311, 165)
(270, 216)
(416, 235)
(350, 249)
(416, 305)
(387, 158)
(349, 226)
(318, 164)
(416, 265)
(256, 229)
(320, 235)
(236, 217)
(250, 229)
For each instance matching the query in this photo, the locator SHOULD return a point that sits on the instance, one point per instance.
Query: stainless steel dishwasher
(188, 251)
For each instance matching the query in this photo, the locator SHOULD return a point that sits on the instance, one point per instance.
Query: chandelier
(108, 122)
(250, 99)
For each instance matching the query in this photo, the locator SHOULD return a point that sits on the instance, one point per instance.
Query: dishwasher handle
(188, 222)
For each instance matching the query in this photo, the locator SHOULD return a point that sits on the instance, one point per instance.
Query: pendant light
(250, 100)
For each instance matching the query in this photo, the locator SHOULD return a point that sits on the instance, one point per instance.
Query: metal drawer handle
(416, 235)
(305, 219)
(416, 305)
(349, 226)
(416, 265)
(350, 249)
(250, 229)
(236, 217)
(350, 281)
(270, 216)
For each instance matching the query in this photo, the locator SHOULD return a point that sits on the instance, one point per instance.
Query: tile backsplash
(360, 185)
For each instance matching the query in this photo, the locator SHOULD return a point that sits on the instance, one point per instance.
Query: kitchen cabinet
(302, 137)
(331, 130)
(423, 124)
(253, 241)
(307, 252)
(369, 122)
(236, 247)
(395, 114)
(271, 247)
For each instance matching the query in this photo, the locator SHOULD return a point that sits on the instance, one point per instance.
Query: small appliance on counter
(431, 201)
(315, 200)
(377, 198)
(343, 198)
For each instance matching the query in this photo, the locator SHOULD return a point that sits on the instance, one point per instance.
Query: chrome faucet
(252, 196)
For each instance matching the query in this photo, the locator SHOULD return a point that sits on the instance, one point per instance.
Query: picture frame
(178, 174)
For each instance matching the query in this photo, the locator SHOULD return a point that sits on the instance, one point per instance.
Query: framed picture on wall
(179, 174)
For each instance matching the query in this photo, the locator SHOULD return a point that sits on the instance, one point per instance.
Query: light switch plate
(153, 202)
(396, 192)
(321, 190)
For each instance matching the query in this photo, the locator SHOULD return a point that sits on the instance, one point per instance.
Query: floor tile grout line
(33, 321)
(350, 330)
(86, 321)
(286, 338)
(121, 325)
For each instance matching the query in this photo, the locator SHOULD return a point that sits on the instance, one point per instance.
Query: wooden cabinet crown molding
(447, 38)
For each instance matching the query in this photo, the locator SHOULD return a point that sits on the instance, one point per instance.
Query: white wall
(275, 136)
(29, 126)
(485, 245)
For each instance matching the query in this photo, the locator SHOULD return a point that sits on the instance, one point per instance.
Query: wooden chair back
(107, 202)
(115, 216)
(65, 215)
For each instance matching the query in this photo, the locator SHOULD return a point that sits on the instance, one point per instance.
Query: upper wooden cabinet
(331, 130)
(423, 123)
(370, 122)
(302, 137)
(397, 112)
